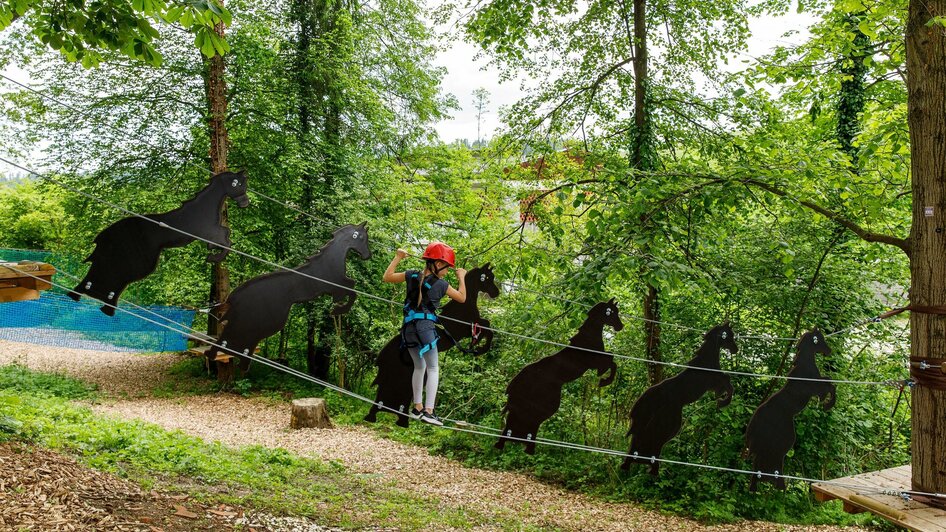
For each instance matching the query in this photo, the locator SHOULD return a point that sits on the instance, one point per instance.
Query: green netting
(55, 319)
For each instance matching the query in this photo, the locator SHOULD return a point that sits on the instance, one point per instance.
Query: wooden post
(310, 413)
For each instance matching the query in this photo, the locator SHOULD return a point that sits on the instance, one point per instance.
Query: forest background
(648, 159)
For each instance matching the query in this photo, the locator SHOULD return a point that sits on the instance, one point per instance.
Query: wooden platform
(16, 285)
(908, 514)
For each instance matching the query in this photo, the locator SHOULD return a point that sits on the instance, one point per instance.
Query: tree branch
(864, 234)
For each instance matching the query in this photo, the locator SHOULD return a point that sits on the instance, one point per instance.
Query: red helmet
(440, 251)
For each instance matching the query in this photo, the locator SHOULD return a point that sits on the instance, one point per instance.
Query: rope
(390, 301)
(459, 426)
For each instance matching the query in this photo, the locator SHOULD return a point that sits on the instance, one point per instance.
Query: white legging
(427, 364)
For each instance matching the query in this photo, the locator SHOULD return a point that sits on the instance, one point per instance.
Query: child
(418, 333)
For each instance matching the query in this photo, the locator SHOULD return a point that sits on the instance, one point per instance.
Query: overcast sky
(465, 73)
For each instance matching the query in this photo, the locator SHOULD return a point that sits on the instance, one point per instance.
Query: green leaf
(207, 46)
(867, 29)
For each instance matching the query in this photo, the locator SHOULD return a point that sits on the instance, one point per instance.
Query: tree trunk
(926, 86)
(217, 102)
(851, 96)
(643, 157)
(655, 372)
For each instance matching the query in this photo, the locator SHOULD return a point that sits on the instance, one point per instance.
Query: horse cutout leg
(129, 249)
(260, 307)
(771, 430)
(657, 415)
(535, 393)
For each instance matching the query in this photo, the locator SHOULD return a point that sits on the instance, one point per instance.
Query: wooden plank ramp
(859, 495)
(15, 285)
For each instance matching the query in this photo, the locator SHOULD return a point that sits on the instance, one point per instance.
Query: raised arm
(390, 276)
(458, 295)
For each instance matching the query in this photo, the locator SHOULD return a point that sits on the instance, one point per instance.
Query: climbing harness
(419, 306)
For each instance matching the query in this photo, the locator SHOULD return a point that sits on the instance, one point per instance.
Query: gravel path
(237, 421)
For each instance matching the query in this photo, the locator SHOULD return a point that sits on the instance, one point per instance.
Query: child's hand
(461, 273)
(400, 253)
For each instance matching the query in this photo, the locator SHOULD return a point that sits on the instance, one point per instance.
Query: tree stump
(309, 413)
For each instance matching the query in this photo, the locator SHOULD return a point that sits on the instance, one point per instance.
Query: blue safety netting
(55, 319)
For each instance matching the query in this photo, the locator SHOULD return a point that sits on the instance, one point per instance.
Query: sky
(464, 73)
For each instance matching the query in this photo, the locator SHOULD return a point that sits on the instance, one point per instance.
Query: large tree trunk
(217, 102)
(926, 86)
(643, 158)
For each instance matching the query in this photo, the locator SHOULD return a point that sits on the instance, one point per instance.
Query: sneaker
(428, 417)
(416, 414)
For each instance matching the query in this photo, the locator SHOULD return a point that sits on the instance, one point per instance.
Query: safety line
(552, 443)
(379, 298)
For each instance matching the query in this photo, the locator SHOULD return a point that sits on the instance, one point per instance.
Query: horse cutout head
(723, 334)
(235, 185)
(356, 237)
(771, 430)
(657, 415)
(395, 368)
(129, 249)
(535, 393)
(812, 342)
(607, 313)
(484, 279)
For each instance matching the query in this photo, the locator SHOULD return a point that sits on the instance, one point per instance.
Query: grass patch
(271, 480)
(20, 379)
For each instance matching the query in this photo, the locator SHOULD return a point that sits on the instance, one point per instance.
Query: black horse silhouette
(535, 393)
(394, 365)
(771, 431)
(260, 307)
(129, 249)
(657, 415)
